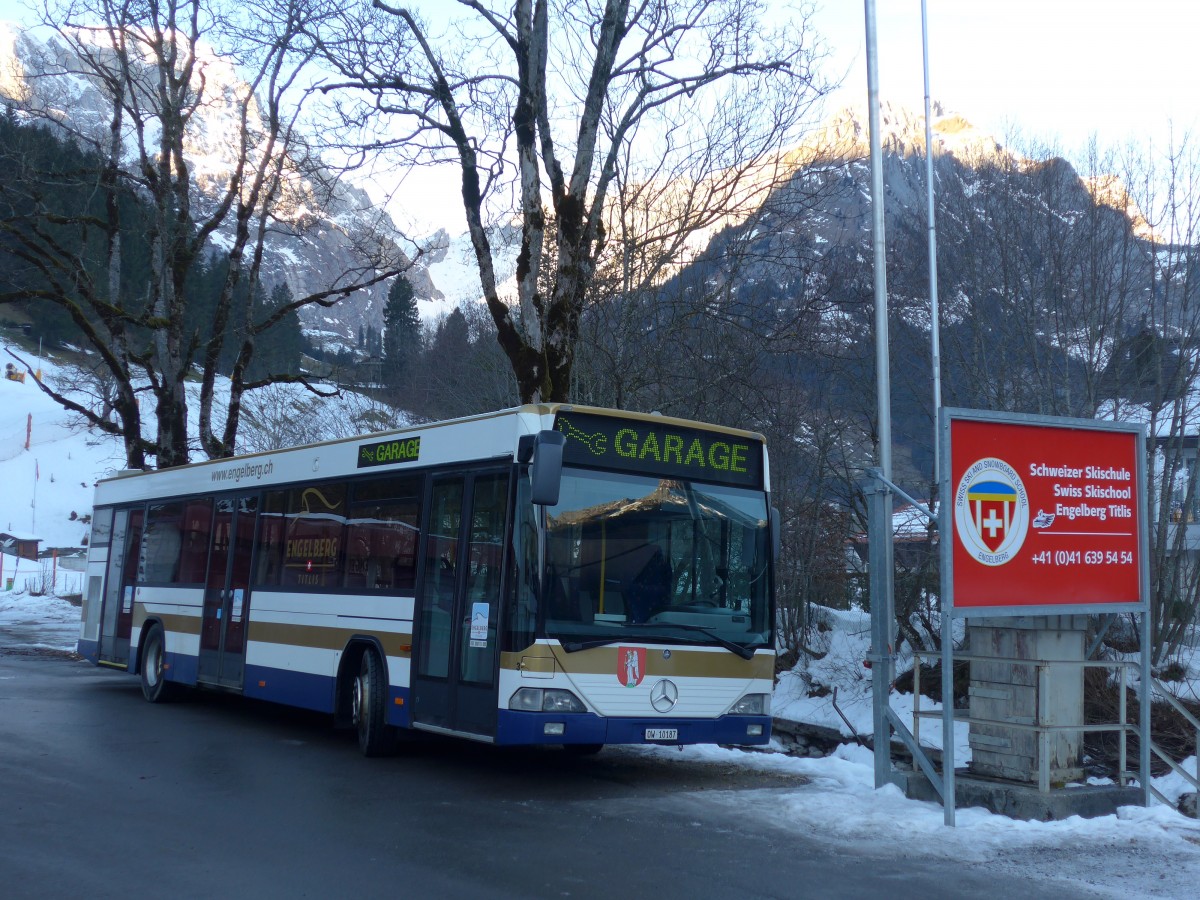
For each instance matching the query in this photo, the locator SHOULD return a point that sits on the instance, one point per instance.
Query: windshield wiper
(575, 646)
(732, 646)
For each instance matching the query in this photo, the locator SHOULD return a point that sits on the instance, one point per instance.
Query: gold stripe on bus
(172, 622)
(683, 663)
(324, 638)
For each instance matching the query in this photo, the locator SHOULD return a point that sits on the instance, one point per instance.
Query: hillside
(48, 487)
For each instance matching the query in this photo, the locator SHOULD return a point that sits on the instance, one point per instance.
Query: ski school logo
(631, 665)
(991, 511)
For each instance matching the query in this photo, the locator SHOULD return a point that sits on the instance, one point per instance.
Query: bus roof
(493, 435)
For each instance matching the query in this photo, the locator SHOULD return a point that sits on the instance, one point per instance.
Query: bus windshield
(661, 560)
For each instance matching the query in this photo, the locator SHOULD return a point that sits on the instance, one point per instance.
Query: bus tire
(369, 695)
(155, 687)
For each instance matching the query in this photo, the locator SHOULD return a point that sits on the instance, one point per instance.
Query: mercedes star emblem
(664, 696)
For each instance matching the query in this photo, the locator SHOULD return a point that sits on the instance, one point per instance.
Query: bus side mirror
(546, 472)
(776, 536)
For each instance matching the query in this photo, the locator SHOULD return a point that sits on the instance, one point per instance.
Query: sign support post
(883, 618)
(1145, 696)
(948, 804)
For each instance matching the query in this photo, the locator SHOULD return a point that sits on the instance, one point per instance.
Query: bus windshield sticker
(634, 445)
(381, 453)
(480, 613)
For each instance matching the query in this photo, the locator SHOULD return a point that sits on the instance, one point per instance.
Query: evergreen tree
(401, 334)
(278, 349)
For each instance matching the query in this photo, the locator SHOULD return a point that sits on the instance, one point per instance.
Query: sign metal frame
(949, 533)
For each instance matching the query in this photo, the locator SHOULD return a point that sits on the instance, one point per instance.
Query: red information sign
(1044, 515)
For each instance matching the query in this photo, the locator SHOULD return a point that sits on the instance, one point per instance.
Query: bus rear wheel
(369, 705)
(155, 686)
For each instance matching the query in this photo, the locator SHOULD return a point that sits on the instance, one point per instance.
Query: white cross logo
(992, 523)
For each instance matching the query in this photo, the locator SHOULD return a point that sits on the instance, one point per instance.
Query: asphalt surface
(104, 795)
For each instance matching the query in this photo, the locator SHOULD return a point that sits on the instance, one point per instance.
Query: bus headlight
(752, 705)
(546, 700)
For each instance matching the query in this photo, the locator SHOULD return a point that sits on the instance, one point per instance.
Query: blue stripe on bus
(89, 650)
(183, 667)
(399, 706)
(315, 692)
(301, 689)
(514, 727)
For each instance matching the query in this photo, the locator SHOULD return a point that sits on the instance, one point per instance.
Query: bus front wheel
(155, 686)
(375, 736)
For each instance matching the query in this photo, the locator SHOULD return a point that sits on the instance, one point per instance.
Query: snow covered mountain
(319, 219)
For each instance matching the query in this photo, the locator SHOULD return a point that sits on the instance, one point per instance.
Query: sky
(1057, 71)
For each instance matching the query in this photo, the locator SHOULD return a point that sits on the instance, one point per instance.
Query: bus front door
(116, 618)
(454, 683)
(227, 592)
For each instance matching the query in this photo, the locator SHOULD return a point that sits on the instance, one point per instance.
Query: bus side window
(196, 527)
(272, 530)
(102, 521)
(162, 543)
(381, 534)
(315, 535)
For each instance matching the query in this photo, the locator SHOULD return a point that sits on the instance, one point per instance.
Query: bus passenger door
(227, 592)
(116, 619)
(454, 683)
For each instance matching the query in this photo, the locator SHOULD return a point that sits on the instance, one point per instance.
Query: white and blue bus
(551, 574)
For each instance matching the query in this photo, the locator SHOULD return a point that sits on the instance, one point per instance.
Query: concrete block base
(1019, 801)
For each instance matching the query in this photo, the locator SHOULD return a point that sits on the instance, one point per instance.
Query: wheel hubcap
(360, 691)
(154, 665)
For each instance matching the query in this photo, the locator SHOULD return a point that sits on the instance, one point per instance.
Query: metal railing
(1043, 730)
(1173, 702)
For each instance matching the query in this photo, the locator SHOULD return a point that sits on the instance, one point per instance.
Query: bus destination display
(1044, 515)
(381, 453)
(651, 448)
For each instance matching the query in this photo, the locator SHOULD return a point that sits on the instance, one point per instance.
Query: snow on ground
(1138, 852)
(842, 668)
(29, 622)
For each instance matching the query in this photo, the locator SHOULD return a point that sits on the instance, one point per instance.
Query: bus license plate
(662, 734)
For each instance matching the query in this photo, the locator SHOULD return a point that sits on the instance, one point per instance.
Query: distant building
(20, 544)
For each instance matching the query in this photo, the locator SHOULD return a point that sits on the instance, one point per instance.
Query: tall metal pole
(935, 348)
(883, 386)
(883, 619)
(934, 315)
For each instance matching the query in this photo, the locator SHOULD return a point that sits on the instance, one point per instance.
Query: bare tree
(548, 104)
(1155, 374)
(157, 66)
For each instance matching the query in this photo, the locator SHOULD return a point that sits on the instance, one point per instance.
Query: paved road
(104, 795)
